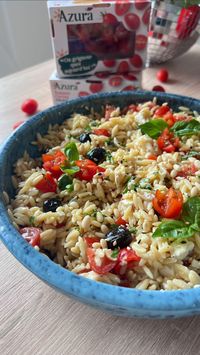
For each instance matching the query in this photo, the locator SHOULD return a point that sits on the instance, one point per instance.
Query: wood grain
(36, 320)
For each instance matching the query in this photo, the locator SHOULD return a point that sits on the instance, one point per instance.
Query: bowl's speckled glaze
(117, 300)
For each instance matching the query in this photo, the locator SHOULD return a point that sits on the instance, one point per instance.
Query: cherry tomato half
(87, 169)
(158, 88)
(168, 204)
(101, 132)
(161, 111)
(31, 235)
(53, 162)
(187, 170)
(106, 264)
(47, 184)
(29, 106)
(90, 240)
(120, 221)
(167, 142)
(127, 259)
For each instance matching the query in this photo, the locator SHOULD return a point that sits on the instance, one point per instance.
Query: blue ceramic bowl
(117, 300)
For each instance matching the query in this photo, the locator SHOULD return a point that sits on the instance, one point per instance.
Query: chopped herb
(144, 184)
(70, 170)
(95, 123)
(65, 182)
(88, 128)
(191, 154)
(132, 230)
(115, 253)
(71, 152)
(109, 157)
(32, 221)
(186, 128)
(153, 128)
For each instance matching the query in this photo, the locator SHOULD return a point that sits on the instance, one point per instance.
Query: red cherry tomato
(136, 61)
(158, 88)
(162, 75)
(17, 124)
(168, 204)
(141, 42)
(87, 169)
(110, 63)
(83, 93)
(108, 111)
(115, 81)
(132, 21)
(96, 87)
(187, 170)
(101, 132)
(53, 162)
(29, 106)
(140, 4)
(127, 259)
(90, 240)
(109, 19)
(152, 157)
(106, 264)
(161, 111)
(123, 67)
(121, 222)
(31, 235)
(122, 8)
(167, 142)
(47, 184)
(165, 113)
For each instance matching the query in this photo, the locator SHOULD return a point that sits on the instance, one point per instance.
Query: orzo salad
(116, 197)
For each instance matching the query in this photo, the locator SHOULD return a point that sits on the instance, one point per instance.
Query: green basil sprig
(70, 170)
(71, 152)
(153, 128)
(186, 128)
(184, 228)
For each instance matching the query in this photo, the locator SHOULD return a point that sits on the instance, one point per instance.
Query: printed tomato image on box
(94, 36)
(69, 88)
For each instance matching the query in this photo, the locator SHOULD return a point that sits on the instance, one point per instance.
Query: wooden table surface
(34, 319)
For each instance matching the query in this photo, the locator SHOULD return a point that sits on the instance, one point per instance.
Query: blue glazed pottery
(117, 300)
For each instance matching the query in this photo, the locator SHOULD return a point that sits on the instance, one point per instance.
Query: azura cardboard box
(95, 36)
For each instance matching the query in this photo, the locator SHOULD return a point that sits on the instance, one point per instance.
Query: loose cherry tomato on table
(158, 88)
(187, 170)
(127, 259)
(168, 204)
(87, 169)
(122, 8)
(120, 221)
(167, 142)
(106, 264)
(29, 106)
(53, 162)
(31, 235)
(47, 184)
(162, 75)
(101, 132)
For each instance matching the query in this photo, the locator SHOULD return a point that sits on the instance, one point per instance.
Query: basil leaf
(153, 128)
(71, 152)
(70, 170)
(174, 229)
(191, 211)
(115, 253)
(88, 128)
(183, 128)
(191, 154)
(65, 182)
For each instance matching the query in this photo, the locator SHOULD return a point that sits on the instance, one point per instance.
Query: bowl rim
(68, 282)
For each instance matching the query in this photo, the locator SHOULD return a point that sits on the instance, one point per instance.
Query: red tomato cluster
(53, 162)
(87, 169)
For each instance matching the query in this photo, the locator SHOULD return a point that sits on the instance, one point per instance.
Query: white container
(64, 89)
(94, 36)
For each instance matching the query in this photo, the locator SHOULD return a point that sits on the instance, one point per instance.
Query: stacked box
(95, 38)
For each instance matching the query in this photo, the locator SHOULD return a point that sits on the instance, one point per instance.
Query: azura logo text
(76, 17)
